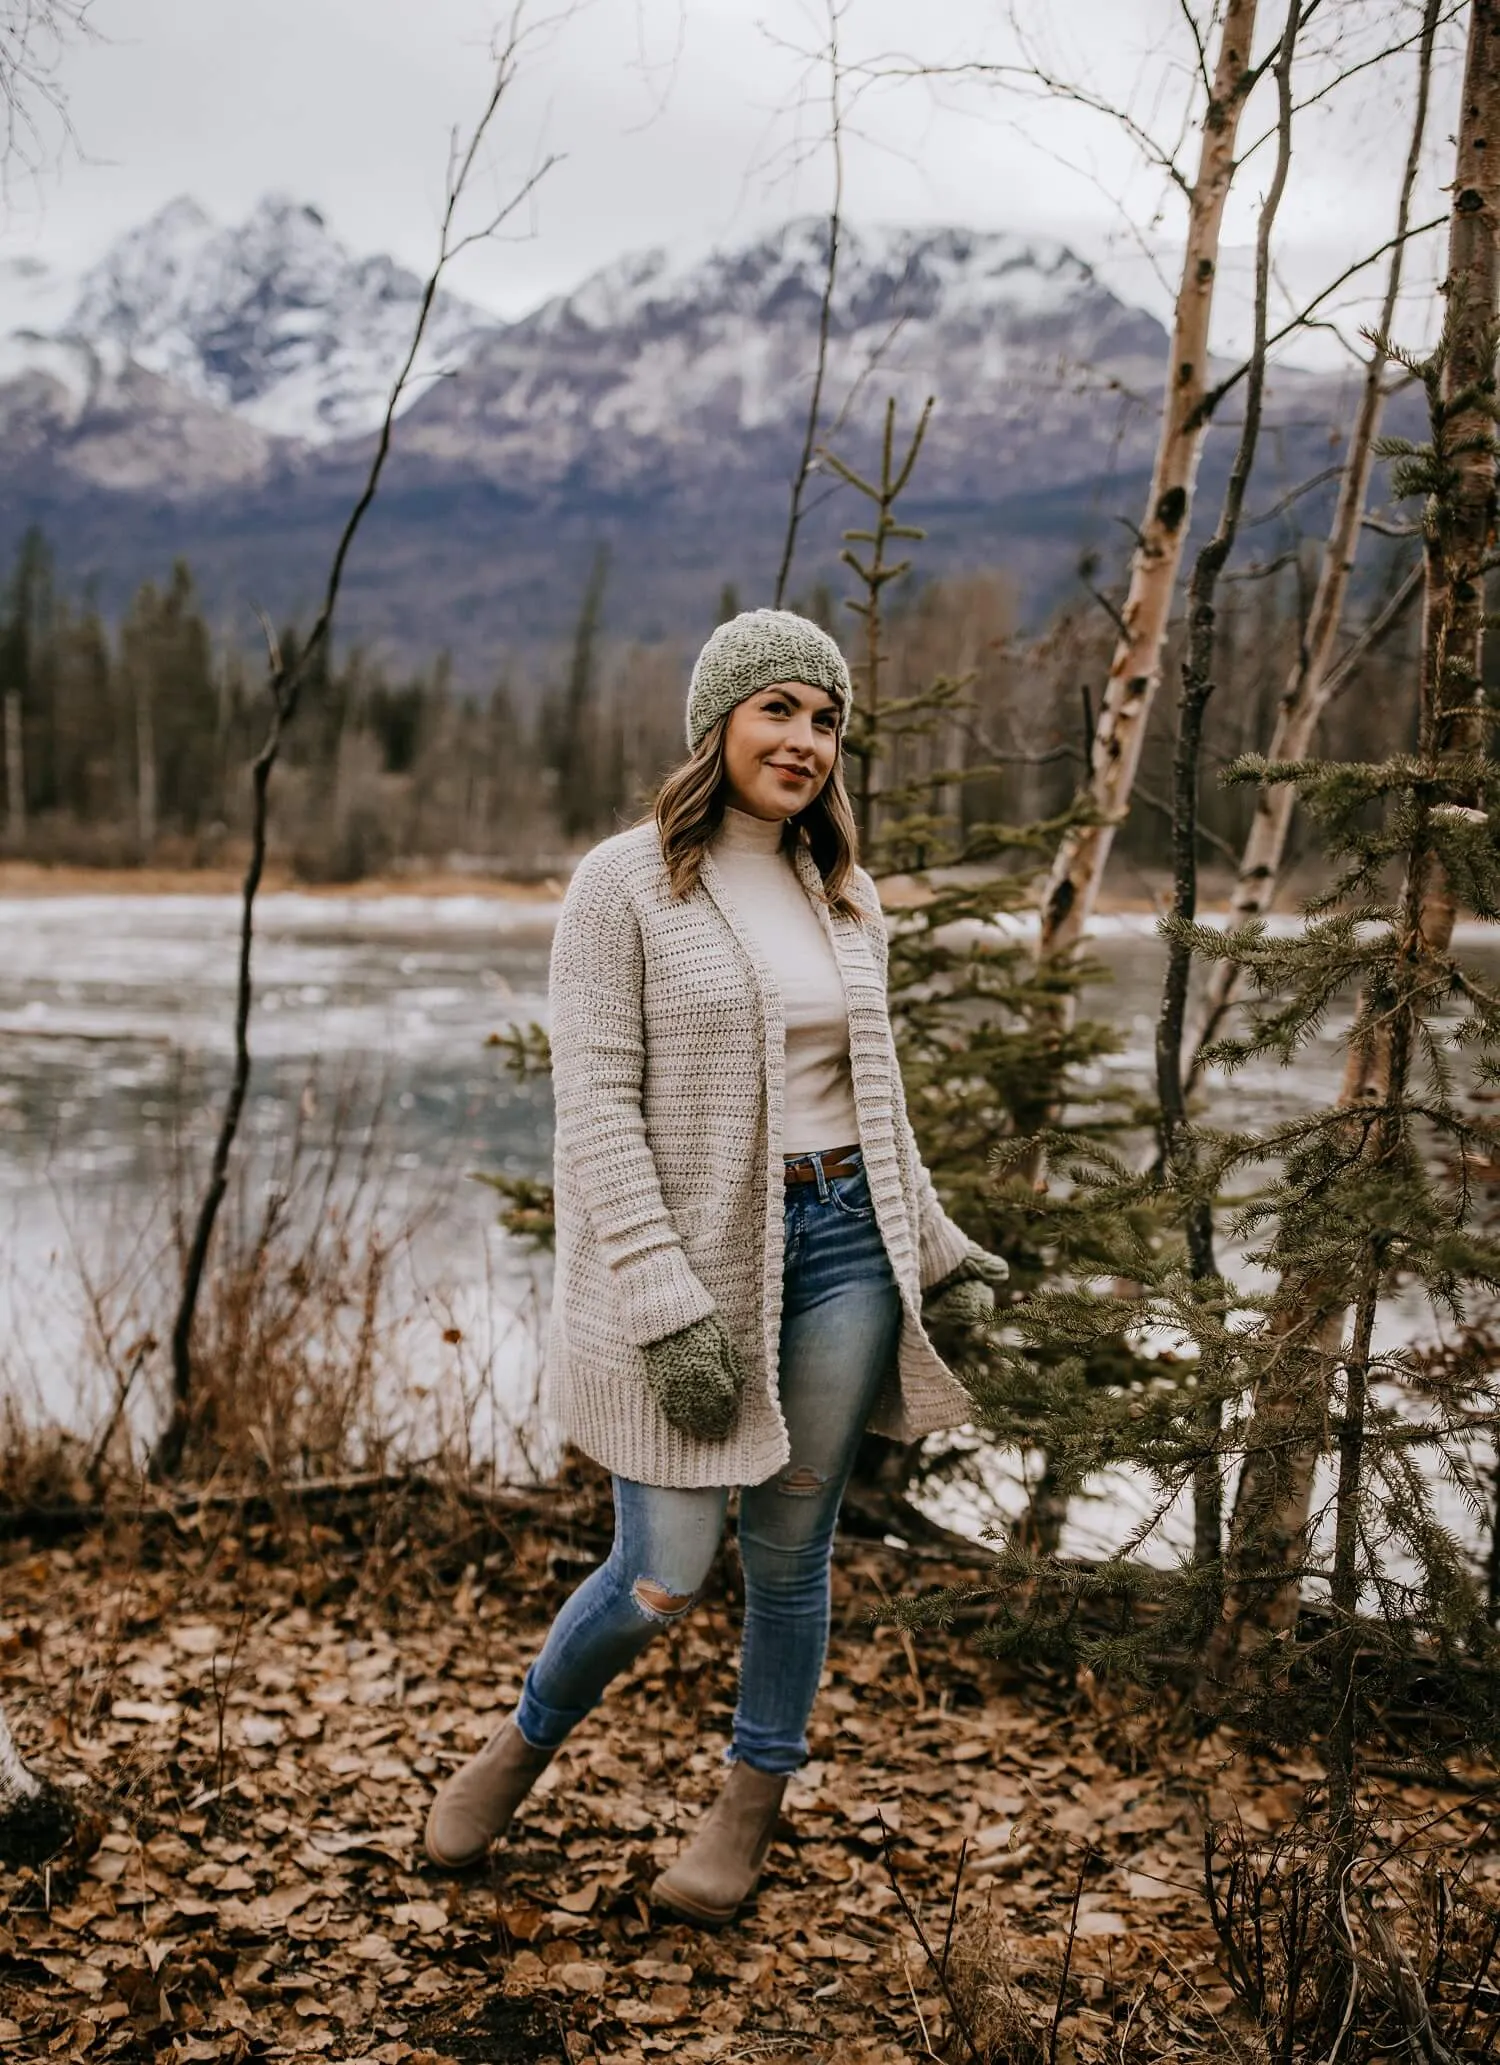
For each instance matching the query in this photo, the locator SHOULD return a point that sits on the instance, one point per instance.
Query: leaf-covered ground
(256, 1713)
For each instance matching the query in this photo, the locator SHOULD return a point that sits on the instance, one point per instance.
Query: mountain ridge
(214, 389)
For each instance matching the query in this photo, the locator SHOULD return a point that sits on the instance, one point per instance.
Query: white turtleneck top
(773, 904)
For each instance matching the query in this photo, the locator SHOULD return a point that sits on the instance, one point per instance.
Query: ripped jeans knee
(800, 1482)
(656, 1602)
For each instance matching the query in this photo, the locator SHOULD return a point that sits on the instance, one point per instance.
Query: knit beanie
(755, 650)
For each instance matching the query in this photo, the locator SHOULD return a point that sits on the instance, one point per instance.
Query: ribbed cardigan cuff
(943, 1247)
(659, 1295)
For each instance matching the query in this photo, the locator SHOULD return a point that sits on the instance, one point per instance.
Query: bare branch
(1135, 668)
(1303, 320)
(1110, 608)
(1374, 633)
(273, 642)
(825, 308)
(1419, 36)
(1307, 691)
(1263, 569)
(34, 35)
(1205, 77)
(1031, 81)
(507, 59)
(1284, 502)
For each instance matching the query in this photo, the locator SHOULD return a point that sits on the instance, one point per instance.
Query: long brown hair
(690, 808)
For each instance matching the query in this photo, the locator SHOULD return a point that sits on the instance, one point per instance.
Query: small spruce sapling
(985, 1049)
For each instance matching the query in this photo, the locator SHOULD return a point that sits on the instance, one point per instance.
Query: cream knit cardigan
(667, 1058)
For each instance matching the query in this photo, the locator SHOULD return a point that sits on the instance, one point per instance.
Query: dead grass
(325, 1347)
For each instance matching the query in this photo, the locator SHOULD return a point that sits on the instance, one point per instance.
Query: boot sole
(465, 1863)
(695, 1911)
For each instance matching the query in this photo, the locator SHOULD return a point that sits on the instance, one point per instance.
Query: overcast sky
(691, 123)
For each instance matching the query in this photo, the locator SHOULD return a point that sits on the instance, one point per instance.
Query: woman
(745, 1232)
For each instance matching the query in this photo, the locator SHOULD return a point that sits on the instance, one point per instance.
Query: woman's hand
(696, 1378)
(962, 1305)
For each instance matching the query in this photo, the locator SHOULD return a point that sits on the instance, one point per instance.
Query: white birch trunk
(1135, 672)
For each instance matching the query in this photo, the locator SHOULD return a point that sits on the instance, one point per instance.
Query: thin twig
(221, 1698)
(1374, 633)
(825, 309)
(939, 1965)
(1302, 320)
(35, 36)
(1068, 1947)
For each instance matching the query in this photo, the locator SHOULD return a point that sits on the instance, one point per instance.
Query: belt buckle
(802, 1168)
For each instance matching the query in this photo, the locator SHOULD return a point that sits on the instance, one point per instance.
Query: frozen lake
(115, 1041)
(115, 1044)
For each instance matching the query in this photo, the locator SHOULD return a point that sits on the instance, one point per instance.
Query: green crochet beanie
(755, 650)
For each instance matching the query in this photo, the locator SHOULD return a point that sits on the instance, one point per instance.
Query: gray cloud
(681, 124)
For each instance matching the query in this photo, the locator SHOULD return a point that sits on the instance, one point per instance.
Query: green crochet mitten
(696, 1378)
(963, 1303)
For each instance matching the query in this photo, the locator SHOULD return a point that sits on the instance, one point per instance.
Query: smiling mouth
(797, 774)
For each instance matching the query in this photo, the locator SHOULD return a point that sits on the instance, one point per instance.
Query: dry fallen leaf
(353, 1948)
(75, 1973)
(374, 1949)
(195, 1638)
(423, 1915)
(583, 1976)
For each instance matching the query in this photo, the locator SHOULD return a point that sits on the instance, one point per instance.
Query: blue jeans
(841, 1314)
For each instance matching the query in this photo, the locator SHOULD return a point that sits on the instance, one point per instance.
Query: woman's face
(779, 748)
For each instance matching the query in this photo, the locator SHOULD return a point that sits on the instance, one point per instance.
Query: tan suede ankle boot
(721, 1866)
(478, 1803)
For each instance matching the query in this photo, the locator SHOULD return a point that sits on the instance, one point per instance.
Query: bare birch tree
(1135, 671)
(1315, 677)
(1269, 1535)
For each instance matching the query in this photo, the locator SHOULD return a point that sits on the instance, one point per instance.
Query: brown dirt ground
(256, 1714)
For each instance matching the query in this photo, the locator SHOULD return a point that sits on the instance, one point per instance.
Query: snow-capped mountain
(272, 320)
(211, 389)
(883, 275)
(651, 363)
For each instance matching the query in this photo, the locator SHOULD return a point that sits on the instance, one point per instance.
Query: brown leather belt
(837, 1161)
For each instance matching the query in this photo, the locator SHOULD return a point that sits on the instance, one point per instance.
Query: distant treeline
(131, 742)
